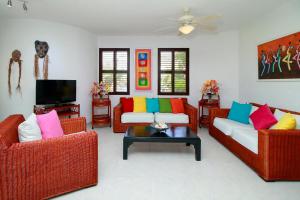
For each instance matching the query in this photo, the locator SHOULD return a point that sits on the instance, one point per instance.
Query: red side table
(204, 105)
(101, 119)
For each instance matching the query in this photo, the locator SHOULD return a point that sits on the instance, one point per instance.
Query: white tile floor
(169, 171)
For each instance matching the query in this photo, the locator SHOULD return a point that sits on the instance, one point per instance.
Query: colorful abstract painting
(143, 69)
(280, 58)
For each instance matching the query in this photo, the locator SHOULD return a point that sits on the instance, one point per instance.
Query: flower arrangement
(210, 87)
(95, 89)
(100, 89)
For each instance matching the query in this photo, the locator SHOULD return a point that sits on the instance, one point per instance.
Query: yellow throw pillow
(139, 104)
(287, 122)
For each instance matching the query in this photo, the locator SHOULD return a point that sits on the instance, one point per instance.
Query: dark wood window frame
(115, 71)
(173, 72)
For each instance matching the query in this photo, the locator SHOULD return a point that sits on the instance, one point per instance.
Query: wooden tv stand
(66, 110)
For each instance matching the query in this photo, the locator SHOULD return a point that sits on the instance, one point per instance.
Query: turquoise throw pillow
(240, 112)
(152, 105)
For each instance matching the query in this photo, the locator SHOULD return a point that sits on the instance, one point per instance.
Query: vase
(209, 97)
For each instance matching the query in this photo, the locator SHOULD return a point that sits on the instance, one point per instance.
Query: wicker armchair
(46, 168)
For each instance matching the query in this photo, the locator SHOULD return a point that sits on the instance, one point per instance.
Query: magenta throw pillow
(50, 125)
(263, 118)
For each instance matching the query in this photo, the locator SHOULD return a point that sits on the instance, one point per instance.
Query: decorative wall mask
(41, 49)
(15, 57)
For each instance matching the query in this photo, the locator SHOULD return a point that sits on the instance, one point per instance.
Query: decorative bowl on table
(160, 126)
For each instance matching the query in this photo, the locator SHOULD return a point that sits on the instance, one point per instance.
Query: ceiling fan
(187, 23)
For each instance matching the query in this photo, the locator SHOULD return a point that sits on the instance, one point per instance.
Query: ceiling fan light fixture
(186, 29)
(9, 3)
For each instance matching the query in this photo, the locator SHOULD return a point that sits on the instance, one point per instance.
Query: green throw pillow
(165, 105)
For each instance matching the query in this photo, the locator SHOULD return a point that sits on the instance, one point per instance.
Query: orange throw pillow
(177, 105)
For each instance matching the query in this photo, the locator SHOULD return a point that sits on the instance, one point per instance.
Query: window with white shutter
(114, 69)
(173, 71)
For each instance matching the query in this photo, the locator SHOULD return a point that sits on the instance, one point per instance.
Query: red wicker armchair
(278, 150)
(46, 168)
(119, 127)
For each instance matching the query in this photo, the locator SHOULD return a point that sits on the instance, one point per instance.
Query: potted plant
(99, 90)
(210, 88)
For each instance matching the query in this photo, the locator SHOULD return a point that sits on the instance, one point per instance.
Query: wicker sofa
(277, 156)
(46, 168)
(121, 127)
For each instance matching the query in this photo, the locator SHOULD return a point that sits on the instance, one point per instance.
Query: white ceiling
(137, 17)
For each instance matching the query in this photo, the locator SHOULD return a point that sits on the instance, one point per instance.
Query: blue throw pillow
(152, 105)
(240, 112)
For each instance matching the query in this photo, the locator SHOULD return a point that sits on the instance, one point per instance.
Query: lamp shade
(186, 29)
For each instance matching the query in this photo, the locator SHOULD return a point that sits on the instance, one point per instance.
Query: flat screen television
(55, 91)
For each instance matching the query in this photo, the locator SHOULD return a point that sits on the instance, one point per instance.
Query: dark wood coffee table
(171, 135)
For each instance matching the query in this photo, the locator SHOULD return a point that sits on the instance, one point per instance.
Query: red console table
(67, 110)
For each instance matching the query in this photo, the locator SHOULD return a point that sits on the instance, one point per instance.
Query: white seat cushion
(135, 117)
(179, 118)
(246, 137)
(227, 125)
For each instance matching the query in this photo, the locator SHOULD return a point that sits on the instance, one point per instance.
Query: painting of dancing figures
(280, 58)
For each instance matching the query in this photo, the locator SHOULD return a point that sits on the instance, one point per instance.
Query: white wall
(211, 57)
(72, 55)
(276, 23)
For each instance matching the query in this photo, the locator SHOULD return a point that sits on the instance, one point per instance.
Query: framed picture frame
(279, 59)
(143, 69)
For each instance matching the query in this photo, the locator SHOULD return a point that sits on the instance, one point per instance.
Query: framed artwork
(280, 58)
(143, 69)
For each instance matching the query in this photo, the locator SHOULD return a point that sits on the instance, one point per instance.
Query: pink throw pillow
(50, 125)
(263, 118)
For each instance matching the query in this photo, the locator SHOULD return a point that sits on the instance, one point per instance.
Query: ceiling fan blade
(208, 27)
(165, 29)
(194, 22)
(209, 18)
(172, 19)
(179, 33)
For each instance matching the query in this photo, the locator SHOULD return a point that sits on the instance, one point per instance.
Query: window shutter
(122, 60)
(180, 83)
(166, 69)
(108, 78)
(114, 70)
(108, 60)
(108, 64)
(121, 82)
(166, 61)
(166, 82)
(173, 71)
(122, 65)
(180, 66)
(180, 60)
